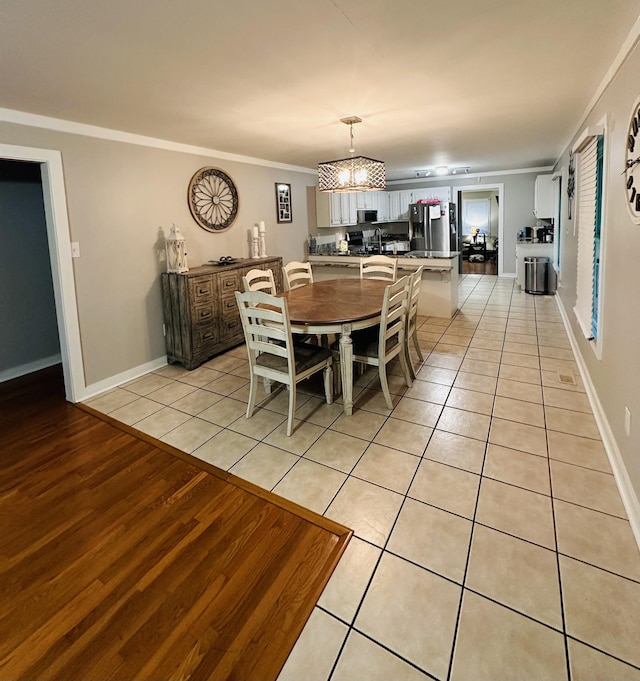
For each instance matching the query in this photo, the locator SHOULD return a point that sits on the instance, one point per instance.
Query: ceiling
(485, 84)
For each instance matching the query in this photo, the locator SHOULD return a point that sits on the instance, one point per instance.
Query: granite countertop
(412, 255)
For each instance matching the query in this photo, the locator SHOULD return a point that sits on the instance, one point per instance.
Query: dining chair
(378, 267)
(296, 274)
(273, 356)
(388, 339)
(412, 319)
(259, 280)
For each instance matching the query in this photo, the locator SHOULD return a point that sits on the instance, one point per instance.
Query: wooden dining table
(337, 306)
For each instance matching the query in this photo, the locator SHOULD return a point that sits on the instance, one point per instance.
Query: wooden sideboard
(200, 311)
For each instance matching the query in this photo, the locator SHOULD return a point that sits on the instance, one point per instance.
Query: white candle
(262, 227)
(255, 231)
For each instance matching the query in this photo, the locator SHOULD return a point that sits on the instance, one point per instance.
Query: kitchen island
(439, 289)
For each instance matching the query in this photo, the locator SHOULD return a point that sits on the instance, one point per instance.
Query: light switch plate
(75, 249)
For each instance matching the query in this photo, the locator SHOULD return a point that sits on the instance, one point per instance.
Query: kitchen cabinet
(399, 200)
(383, 206)
(343, 209)
(335, 210)
(367, 200)
(201, 315)
(543, 198)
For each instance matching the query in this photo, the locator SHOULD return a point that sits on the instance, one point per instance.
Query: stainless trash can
(535, 274)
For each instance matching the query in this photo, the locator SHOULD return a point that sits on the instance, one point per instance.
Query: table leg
(346, 368)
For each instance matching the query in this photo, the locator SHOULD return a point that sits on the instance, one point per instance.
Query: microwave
(367, 216)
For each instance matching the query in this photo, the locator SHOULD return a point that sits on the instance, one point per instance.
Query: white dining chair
(273, 356)
(296, 274)
(412, 319)
(387, 340)
(259, 280)
(378, 267)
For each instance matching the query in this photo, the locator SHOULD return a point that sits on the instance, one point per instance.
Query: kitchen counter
(439, 288)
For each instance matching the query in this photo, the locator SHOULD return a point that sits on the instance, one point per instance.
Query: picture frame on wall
(283, 202)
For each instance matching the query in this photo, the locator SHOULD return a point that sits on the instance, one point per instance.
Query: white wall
(27, 307)
(122, 199)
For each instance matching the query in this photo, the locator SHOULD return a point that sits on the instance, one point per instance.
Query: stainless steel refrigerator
(432, 227)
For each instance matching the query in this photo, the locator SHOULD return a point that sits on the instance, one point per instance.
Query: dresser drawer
(205, 336)
(201, 288)
(229, 306)
(203, 313)
(231, 327)
(227, 282)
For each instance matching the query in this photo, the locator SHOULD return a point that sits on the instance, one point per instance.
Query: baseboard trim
(117, 380)
(623, 481)
(29, 368)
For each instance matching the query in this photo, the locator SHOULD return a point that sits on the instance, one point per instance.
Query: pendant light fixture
(353, 174)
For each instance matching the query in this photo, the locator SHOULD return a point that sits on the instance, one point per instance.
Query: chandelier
(353, 174)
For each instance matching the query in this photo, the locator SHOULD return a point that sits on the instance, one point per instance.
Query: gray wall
(27, 308)
(122, 199)
(615, 377)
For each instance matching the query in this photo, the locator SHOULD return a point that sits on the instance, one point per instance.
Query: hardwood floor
(121, 558)
(489, 266)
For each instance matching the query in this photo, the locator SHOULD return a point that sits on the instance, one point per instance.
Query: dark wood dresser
(200, 311)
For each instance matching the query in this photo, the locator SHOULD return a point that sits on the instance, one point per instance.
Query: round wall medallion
(632, 164)
(213, 199)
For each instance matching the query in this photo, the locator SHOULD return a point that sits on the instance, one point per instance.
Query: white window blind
(587, 209)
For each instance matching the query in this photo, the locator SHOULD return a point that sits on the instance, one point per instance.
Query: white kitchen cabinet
(440, 193)
(399, 204)
(394, 205)
(335, 210)
(367, 200)
(383, 206)
(343, 210)
(543, 198)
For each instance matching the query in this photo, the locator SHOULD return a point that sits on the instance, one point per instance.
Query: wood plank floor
(489, 266)
(121, 558)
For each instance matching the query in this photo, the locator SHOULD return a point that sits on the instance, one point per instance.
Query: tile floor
(490, 539)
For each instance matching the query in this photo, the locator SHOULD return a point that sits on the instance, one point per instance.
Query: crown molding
(71, 127)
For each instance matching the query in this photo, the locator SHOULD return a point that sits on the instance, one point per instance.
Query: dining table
(338, 306)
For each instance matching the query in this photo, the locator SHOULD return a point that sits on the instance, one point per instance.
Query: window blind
(588, 200)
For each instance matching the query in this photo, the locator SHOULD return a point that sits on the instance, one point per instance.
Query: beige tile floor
(490, 539)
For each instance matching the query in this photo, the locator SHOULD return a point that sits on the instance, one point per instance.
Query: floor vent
(567, 379)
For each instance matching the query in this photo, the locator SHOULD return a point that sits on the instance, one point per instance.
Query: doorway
(59, 243)
(480, 220)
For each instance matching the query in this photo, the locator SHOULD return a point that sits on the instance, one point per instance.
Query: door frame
(499, 187)
(59, 240)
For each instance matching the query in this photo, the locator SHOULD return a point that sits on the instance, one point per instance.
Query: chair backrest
(378, 267)
(296, 274)
(393, 319)
(267, 332)
(414, 297)
(259, 280)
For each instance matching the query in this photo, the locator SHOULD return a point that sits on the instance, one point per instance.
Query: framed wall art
(283, 202)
